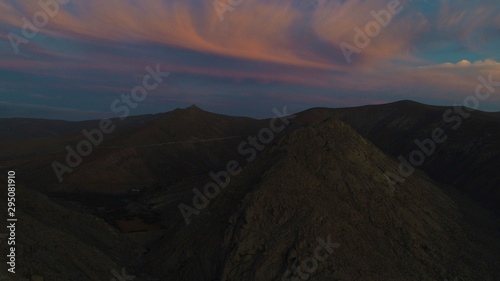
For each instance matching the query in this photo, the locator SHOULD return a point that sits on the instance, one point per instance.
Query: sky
(72, 59)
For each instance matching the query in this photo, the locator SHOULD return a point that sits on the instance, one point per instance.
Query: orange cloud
(488, 63)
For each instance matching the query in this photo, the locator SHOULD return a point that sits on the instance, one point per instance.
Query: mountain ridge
(269, 218)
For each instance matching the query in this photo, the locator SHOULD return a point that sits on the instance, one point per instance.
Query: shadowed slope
(326, 180)
(468, 159)
(180, 144)
(60, 244)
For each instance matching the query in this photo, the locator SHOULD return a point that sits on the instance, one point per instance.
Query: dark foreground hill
(325, 183)
(55, 242)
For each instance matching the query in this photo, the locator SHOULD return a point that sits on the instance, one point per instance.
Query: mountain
(467, 158)
(171, 146)
(314, 192)
(319, 183)
(56, 242)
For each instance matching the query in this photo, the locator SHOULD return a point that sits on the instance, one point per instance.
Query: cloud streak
(488, 63)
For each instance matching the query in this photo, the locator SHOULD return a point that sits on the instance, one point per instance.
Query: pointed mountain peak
(190, 110)
(194, 107)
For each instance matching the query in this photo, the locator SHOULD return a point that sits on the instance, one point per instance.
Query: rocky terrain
(314, 204)
(325, 182)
